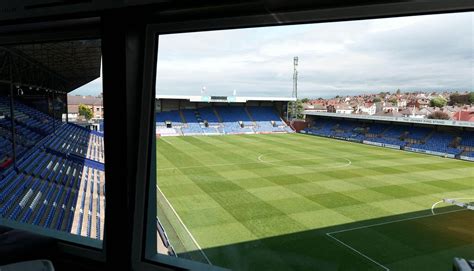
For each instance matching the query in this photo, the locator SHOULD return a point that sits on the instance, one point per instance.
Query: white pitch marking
(438, 202)
(186, 228)
(349, 162)
(394, 221)
(215, 165)
(434, 205)
(358, 252)
(379, 224)
(166, 140)
(260, 160)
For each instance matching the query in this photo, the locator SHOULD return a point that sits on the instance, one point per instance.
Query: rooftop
(454, 123)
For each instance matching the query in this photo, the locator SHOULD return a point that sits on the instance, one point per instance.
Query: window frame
(143, 194)
(41, 32)
(145, 235)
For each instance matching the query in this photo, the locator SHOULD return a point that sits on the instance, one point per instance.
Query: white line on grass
(214, 165)
(186, 228)
(166, 140)
(358, 252)
(394, 221)
(329, 234)
(259, 158)
(434, 205)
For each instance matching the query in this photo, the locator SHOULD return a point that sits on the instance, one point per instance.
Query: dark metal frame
(69, 244)
(148, 208)
(130, 46)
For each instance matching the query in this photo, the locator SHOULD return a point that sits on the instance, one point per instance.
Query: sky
(417, 53)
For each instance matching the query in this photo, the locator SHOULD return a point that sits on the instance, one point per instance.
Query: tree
(459, 99)
(439, 115)
(376, 100)
(305, 100)
(299, 109)
(438, 102)
(398, 91)
(393, 100)
(471, 97)
(85, 111)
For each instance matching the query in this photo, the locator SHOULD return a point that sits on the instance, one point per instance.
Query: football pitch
(301, 202)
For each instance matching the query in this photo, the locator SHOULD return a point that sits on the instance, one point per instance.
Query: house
(464, 115)
(315, 108)
(343, 109)
(427, 111)
(388, 114)
(367, 108)
(402, 103)
(94, 103)
(412, 112)
(422, 103)
(389, 107)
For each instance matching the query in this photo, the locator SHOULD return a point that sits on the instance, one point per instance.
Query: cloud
(431, 52)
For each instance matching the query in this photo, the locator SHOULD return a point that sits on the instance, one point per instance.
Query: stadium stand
(222, 120)
(53, 163)
(376, 129)
(439, 142)
(469, 154)
(467, 139)
(208, 114)
(168, 116)
(414, 138)
(235, 120)
(193, 126)
(267, 119)
(419, 133)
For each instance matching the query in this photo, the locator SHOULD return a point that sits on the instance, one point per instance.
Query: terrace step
(217, 114)
(250, 115)
(183, 119)
(428, 136)
(386, 129)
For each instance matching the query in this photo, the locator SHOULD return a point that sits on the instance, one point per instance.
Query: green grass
(291, 202)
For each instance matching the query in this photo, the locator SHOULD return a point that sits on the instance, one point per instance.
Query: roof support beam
(12, 115)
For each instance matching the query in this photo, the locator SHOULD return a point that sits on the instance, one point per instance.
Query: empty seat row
(425, 138)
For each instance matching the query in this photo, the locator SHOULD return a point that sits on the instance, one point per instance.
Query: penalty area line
(184, 226)
(358, 252)
(394, 221)
(330, 234)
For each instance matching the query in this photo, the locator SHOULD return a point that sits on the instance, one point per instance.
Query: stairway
(197, 115)
(384, 131)
(183, 120)
(217, 114)
(251, 118)
(428, 136)
(248, 114)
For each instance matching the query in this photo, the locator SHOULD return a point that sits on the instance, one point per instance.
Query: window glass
(327, 146)
(53, 181)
